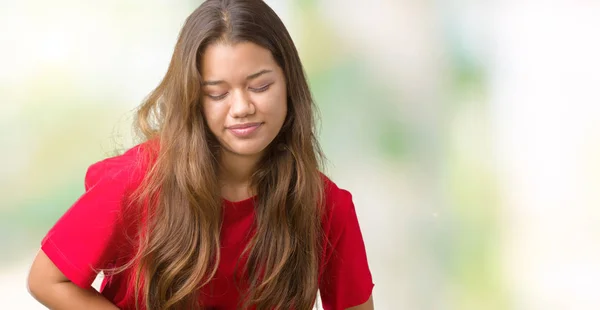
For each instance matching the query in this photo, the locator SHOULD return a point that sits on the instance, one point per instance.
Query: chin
(247, 149)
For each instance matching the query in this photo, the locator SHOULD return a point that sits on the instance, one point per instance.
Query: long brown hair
(178, 250)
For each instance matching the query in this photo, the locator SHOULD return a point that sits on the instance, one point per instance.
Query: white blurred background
(467, 131)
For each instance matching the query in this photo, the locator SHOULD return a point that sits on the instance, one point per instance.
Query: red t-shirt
(91, 235)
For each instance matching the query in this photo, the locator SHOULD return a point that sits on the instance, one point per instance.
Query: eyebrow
(249, 77)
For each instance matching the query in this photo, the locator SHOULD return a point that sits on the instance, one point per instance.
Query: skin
(368, 305)
(242, 84)
(48, 285)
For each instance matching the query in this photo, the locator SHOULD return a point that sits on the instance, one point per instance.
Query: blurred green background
(468, 133)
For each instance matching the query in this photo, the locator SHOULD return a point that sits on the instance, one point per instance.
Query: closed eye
(217, 97)
(261, 89)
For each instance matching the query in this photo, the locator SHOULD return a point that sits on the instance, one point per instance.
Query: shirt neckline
(249, 200)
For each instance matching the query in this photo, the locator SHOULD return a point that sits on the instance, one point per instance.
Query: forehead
(224, 60)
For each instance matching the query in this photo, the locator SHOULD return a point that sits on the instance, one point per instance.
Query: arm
(48, 285)
(368, 305)
(88, 237)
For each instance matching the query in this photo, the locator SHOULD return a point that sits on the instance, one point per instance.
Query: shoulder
(335, 197)
(345, 279)
(124, 170)
(338, 206)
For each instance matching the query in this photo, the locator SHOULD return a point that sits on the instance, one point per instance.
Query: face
(245, 99)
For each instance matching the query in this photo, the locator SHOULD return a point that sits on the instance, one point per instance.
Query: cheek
(283, 111)
(278, 105)
(211, 116)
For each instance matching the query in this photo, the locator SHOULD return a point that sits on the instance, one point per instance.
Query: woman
(223, 206)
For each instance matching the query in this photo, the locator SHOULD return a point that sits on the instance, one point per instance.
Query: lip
(244, 130)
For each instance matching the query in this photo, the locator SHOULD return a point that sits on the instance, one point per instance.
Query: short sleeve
(86, 238)
(346, 279)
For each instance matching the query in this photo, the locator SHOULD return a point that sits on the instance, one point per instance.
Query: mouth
(244, 130)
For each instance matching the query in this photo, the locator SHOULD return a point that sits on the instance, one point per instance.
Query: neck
(235, 175)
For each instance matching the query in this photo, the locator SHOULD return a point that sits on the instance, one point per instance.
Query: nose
(241, 105)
